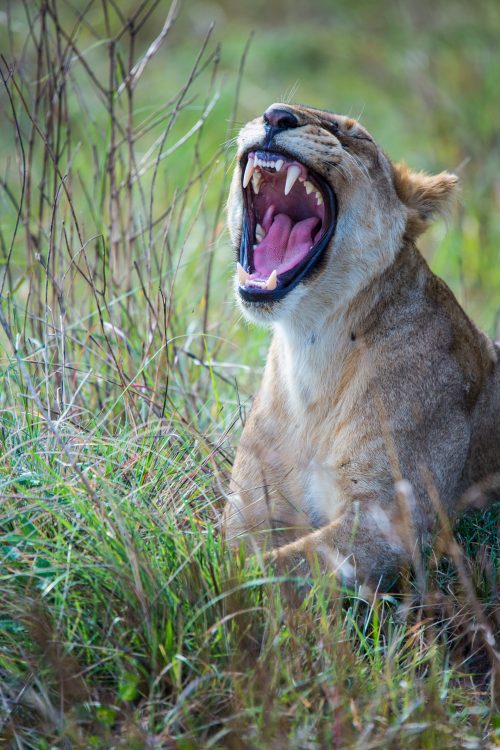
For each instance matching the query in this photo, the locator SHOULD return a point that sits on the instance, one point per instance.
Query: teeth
(243, 276)
(245, 280)
(291, 177)
(257, 283)
(272, 281)
(256, 178)
(263, 163)
(268, 163)
(270, 284)
(308, 186)
(248, 171)
(319, 198)
(259, 233)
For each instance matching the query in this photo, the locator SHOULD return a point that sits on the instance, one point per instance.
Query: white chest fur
(311, 365)
(322, 498)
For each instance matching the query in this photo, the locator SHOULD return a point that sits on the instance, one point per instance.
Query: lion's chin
(264, 313)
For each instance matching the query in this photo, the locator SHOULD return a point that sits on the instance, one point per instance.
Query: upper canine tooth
(272, 281)
(279, 164)
(248, 171)
(308, 186)
(291, 176)
(242, 274)
(256, 178)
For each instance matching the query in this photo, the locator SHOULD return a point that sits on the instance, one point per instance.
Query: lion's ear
(424, 194)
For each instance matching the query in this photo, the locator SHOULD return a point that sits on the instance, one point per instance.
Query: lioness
(380, 398)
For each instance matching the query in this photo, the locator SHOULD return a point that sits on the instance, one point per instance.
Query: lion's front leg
(367, 545)
(262, 519)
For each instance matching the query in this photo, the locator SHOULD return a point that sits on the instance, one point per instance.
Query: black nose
(280, 118)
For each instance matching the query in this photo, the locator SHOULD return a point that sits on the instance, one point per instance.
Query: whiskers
(357, 163)
(290, 93)
(343, 172)
(229, 143)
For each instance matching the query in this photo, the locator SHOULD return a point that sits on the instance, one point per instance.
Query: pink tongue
(268, 255)
(284, 245)
(299, 243)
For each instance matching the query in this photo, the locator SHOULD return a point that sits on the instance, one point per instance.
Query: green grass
(124, 619)
(126, 375)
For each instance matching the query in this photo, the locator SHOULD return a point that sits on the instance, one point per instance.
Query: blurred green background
(424, 78)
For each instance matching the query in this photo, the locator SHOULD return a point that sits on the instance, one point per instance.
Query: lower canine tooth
(291, 176)
(272, 281)
(243, 276)
(256, 182)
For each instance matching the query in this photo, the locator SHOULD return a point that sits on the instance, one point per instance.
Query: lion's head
(316, 210)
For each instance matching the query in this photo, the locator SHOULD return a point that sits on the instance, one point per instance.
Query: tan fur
(377, 385)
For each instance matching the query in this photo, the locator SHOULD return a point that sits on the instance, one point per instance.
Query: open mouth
(289, 216)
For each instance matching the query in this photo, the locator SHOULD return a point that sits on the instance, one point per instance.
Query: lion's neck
(314, 349)
(311, 354)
